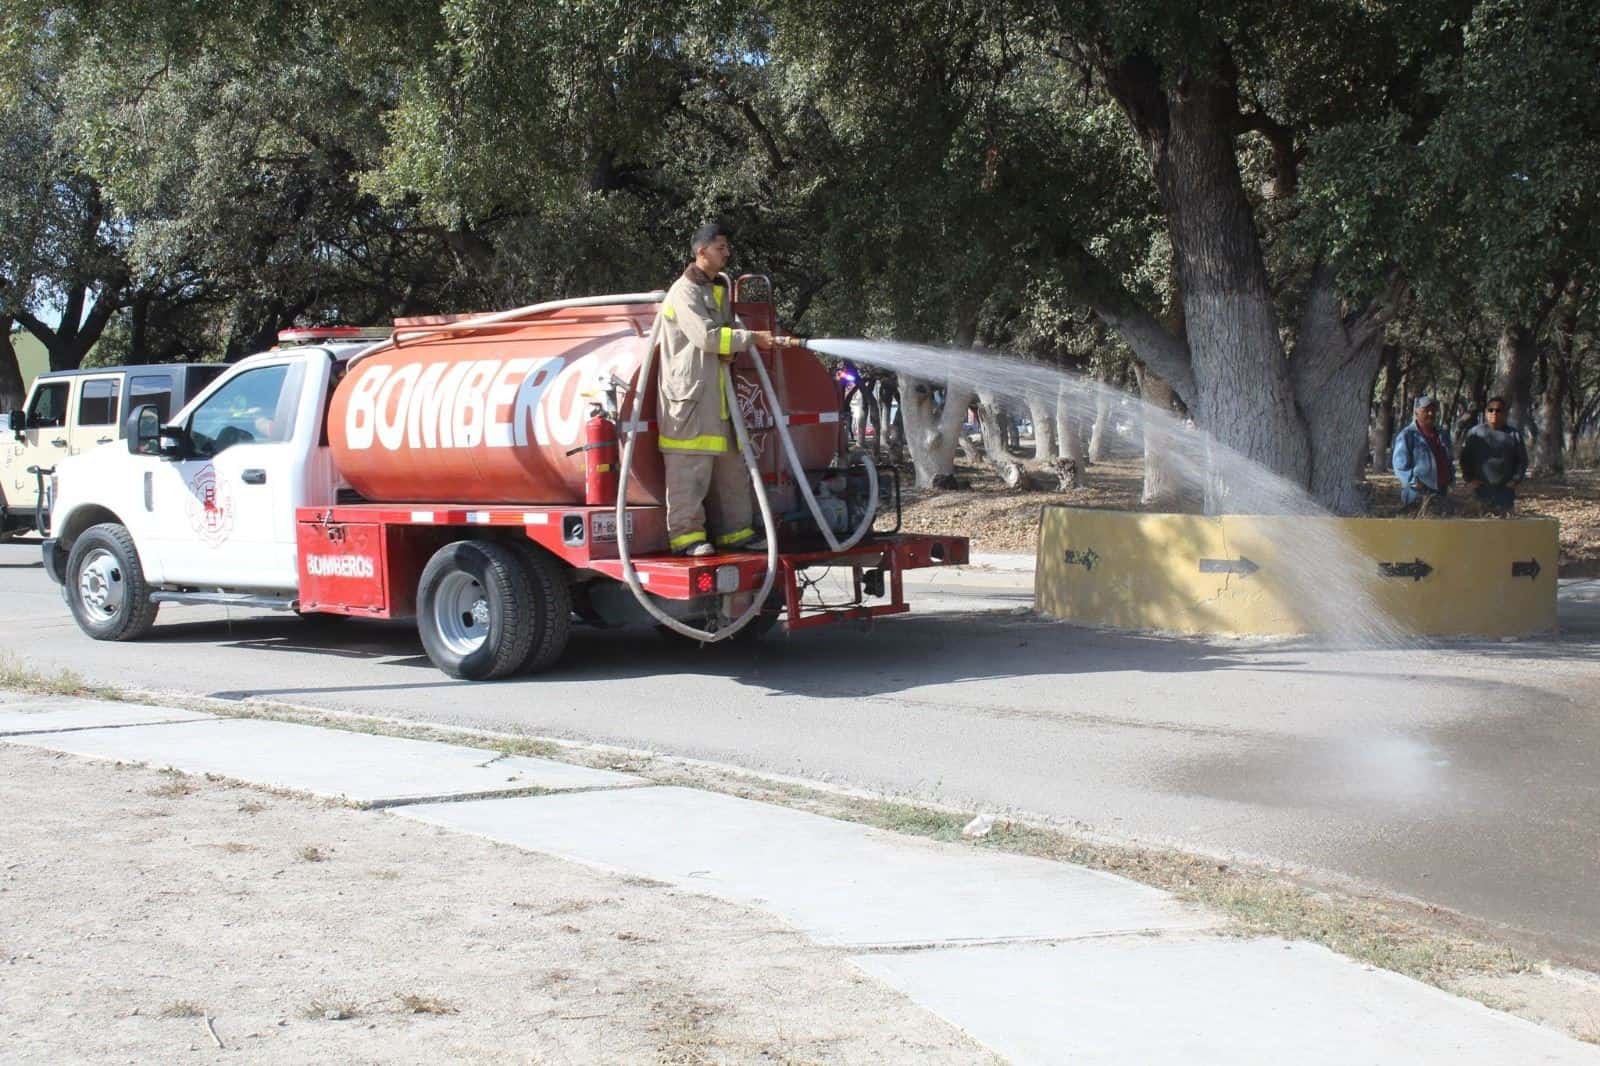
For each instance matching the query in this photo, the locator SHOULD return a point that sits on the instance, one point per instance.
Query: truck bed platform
(355, 558)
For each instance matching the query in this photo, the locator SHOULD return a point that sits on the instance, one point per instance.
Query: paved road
(1468, 776)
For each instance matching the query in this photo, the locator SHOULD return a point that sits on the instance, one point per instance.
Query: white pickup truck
(206, 513)
(239, 499)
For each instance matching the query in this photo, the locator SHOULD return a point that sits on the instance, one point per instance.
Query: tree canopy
(1252, 200)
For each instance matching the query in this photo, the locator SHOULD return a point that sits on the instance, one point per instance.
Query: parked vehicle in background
(69, 412)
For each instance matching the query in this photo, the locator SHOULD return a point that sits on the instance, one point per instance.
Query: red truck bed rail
(365, 559)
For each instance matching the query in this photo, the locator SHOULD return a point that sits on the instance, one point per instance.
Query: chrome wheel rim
(100, 586)
(461, 614)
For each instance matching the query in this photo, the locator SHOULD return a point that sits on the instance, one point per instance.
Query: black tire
(471, 611)
(105, 585)
(550, 606)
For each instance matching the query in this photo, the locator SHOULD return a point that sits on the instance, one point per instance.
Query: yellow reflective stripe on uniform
(718, 295)
(709, 442)
(722, 391)
(736, 537)
(666, 309)
(725, 341)
(685, 539)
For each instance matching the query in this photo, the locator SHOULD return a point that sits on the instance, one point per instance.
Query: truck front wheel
(105, 585)
(472, 610)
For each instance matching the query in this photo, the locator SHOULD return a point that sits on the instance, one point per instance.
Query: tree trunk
(1549, 456)
(990, 422)
(1336, 359)
(1514, 359)
(1162, 485)
(11, 391)
(1043, 413)
(1099, 439)
(932, 433)
(1244, 394)
(1383, 429)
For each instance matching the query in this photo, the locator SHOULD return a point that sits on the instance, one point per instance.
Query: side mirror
(16, 421)
(144, 430)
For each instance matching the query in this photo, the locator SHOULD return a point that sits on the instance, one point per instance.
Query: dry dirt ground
(1002, 520)
(143, 911)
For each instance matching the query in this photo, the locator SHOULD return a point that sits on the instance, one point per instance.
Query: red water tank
(450, 412)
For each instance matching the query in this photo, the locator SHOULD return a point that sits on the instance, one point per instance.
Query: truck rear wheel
(472, 610)
(549, 609)
(105, 585)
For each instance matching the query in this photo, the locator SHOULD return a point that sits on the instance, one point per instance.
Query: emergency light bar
(313, 334)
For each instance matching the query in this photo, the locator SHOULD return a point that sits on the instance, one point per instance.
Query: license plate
(604, 527)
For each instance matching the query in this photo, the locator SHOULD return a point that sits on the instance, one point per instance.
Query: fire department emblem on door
(210, 507)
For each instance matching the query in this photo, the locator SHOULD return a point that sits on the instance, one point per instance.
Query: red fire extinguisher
(599, 459)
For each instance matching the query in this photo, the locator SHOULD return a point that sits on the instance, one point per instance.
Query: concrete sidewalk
(1039, 961)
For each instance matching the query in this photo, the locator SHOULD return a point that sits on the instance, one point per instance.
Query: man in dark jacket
(1494, 459)
(1421, 458)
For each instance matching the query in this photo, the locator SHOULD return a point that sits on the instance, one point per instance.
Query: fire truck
(494, 477)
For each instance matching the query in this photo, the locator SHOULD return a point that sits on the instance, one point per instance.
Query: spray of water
(1333, 583)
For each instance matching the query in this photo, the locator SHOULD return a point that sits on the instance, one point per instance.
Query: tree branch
(1153, 344)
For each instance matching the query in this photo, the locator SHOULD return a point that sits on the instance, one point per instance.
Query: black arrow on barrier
(1529, 569)
(1416, 570)
(1240, 565)
(1086, 558)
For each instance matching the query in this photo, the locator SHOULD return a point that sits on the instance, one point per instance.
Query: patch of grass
(415, 1004)
(251, 807)
(174, 788)
(684, 1028)
(183, 1008)
(1389, 935)
(15, 674)
(233, 847)
(330, 1009)
(313, 853)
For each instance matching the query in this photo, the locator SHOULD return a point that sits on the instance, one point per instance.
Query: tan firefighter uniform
(697, 440)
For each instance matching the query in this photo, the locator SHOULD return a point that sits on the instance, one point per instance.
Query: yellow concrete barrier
(1247, 574)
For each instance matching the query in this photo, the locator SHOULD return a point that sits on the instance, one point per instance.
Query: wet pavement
(1466, 775)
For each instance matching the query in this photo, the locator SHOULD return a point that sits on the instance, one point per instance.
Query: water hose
(633, 428)
(800, 478)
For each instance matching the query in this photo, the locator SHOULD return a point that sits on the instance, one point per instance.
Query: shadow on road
(892, 656)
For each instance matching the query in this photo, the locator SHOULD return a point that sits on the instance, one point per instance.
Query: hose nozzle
(787, 341)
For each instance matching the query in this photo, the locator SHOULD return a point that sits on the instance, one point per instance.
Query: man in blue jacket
(1421, 457)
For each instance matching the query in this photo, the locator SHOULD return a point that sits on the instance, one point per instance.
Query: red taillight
(705, 581)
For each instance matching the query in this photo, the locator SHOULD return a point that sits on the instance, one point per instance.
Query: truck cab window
(49, 407)
(256, 407)
(97, 402)
(151, 388)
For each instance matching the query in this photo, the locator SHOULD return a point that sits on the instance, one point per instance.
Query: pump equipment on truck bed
(496, 477)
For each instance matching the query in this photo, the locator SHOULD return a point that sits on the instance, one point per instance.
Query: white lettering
(436, 408)
(360, 416)
(525, 411)
(469, 406)
(496, 403)
(503, 395)
(360, 566)
(391, 416)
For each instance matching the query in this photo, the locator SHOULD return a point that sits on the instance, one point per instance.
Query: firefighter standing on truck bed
(701, 454)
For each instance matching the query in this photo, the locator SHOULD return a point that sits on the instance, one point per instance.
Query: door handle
(105, 440)
(59, 442)
(254, 477)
